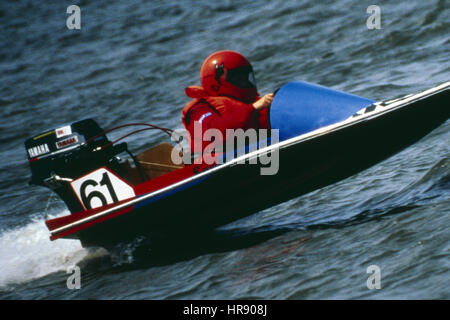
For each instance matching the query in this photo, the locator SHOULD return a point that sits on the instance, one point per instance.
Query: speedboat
(324, 136)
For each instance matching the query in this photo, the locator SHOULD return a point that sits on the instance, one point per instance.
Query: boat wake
(27, 253)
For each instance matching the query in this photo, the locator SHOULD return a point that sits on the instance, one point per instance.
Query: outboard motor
(59, 156)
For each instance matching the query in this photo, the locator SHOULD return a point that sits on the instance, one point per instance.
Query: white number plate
(101, 187)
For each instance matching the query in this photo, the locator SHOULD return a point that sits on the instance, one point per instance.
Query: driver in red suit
(227, 99)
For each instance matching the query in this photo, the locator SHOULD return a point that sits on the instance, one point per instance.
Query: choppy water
(131, 61)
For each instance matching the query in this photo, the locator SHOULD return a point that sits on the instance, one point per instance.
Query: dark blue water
(132, 60)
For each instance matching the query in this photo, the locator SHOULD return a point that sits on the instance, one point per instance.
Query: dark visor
(242, 77)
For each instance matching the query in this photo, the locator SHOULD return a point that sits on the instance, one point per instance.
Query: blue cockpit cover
(300, 107)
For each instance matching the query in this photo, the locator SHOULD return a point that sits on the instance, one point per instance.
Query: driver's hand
(264, 102)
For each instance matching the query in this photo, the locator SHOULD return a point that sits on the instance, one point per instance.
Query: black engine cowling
(58, 156)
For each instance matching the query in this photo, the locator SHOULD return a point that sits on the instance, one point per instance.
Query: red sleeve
(263, 119)
(235, 117)
(198, 114)
(240, 116)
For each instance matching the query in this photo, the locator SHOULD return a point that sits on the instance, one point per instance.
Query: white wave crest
(27, 253)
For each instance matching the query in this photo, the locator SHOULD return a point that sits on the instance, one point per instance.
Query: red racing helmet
(229, 73)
